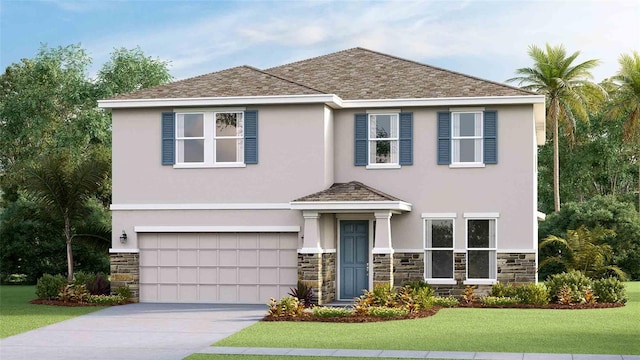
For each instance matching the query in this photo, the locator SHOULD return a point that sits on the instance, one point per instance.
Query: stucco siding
(504, 188)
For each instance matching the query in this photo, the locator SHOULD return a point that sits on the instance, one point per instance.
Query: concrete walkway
(136, 331)
(409, 354)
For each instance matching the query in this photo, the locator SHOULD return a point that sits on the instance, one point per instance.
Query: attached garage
(216, 267)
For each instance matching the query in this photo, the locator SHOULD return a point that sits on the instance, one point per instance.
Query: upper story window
(210, 138)
(466, 138)
(383, 139)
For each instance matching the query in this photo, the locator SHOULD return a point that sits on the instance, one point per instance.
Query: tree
(62, 184)
(130, 70)
(582, 252)
(625, 102)
(568, 93)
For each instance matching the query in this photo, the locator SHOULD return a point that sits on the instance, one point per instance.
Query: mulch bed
(307, 316)
(66, 303)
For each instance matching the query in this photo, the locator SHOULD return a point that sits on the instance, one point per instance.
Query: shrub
(329, 312)
(382, 295)
(99, 285)
(502, 290)
(423, 297)
(15, 279)
(469, 296)
(382, 311)
(536, 294)
(74, 293)
(49, 286)
(287, 306)
(124, 292)
(417, 284)
(610, 290)
(303, 293)
(107, 299)
(589, 296)
(83, 278)
(448, 301)
(574, 280)
(499, 300)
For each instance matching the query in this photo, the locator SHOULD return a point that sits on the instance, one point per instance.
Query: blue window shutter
(444, 138)
(406, 139)
(251, 137)
(361, 138)
(490, 137)
(168, 138)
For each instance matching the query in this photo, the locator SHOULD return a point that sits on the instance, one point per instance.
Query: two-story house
(345, 171)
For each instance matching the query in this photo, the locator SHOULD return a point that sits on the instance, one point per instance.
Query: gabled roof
(351, 191)
(364, 74)
(353, 74)
(237, 81)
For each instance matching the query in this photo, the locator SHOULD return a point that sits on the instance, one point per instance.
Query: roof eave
(329, 99)
(446, 101)
(351, 205)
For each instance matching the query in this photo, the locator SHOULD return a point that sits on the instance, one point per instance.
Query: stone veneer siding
(515, 268)
(382, 269)
(318, 271)
(328, 274)
(125, 271)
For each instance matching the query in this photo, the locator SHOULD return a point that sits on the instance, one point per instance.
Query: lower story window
(481, 249)
(439, 249)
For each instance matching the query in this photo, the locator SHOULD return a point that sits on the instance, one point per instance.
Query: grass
(18, 316)
(596, 331)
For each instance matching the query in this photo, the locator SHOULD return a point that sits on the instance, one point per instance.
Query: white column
(382, 241)
(311, 237)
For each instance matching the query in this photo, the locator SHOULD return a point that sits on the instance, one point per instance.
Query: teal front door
(354, 258)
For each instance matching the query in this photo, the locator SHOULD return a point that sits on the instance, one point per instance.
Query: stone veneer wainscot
(125, 271)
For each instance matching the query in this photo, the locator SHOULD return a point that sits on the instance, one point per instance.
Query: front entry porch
(347, 243)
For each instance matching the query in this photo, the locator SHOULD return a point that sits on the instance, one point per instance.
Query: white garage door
(217, 267)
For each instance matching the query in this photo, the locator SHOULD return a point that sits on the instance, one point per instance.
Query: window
(481, 248)
(383, 139)
(466, 137)
(209, 138)
(438, 253)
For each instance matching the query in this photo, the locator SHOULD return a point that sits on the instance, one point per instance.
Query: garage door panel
(217, 268)
(188, 257)
(208, 275)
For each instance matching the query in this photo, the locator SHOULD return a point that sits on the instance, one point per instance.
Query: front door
(354, 258)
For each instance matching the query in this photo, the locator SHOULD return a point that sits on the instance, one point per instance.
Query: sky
(487, 39)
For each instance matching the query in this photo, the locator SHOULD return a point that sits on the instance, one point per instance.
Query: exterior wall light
(123, 237)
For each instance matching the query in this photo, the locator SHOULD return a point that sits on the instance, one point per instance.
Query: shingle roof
(364, 74)
(351, 74)
(237, 81)
(351, 191)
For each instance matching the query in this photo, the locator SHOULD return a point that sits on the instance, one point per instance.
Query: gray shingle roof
(237, 81)
(364, 74)
(351, 74)
(351, 191)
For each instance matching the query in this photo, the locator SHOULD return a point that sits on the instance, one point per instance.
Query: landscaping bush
(575, 281)
(124, 291)
(329, 312)
(417, 284)
(74, 293)
(499, 301)
(382, 295)
(448, 301)
(382, 311)
(610, 290)
(502, 290)
(107, 299)
(303, 293)
(99, 285)
(49, 286)
(536, 294)
(287, 306)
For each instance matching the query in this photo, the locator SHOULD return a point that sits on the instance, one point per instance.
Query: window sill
(441, 281)
(207, 166)
(383, 166)
(466, 165)
(480, 282)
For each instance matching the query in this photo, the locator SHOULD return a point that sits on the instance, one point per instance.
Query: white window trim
(179, 139)
(396, 139)
(426, 217)
(480, 163)
(209, 128)
(493, 264)
(236, 137)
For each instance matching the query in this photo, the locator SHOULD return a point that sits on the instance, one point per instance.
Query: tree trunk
(67, 234)
(556, 157)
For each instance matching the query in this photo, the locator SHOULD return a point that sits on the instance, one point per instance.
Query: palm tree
(583, 253)
(62, 185)
(625, 102)
(568, 91)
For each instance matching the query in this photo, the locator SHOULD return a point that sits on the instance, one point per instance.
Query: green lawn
(17, 315)
(597, 331)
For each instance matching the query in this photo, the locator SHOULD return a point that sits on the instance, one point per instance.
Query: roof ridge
(283, 79)
(443, 69)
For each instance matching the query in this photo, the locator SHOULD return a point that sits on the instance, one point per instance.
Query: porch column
(310, 256)
(311, 237)
(383, 250)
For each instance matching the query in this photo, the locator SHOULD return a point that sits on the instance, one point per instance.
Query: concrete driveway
(136, 331)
